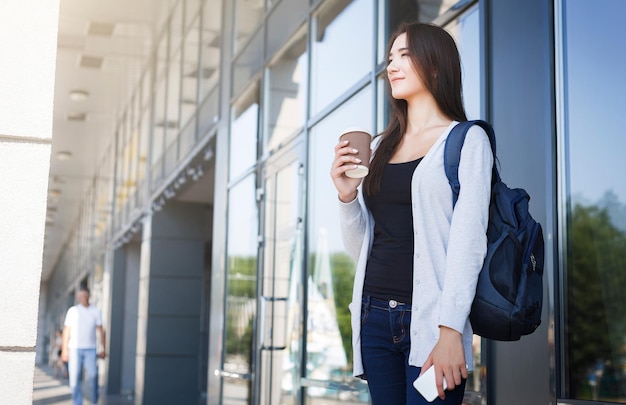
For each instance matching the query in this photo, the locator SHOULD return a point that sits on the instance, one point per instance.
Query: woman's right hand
(346, 186)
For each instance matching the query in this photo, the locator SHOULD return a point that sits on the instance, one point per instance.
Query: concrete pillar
(170, 287)
(28, 35)
(116, 321)
(521, 110)
(123, 322)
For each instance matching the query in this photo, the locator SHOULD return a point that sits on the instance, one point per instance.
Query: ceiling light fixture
(104, 29)
(64, 155)
(79, 95)
(76, 116)
(208, 153)
(93, 62)
(169, 193)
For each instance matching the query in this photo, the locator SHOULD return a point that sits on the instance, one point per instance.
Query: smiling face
(404, 80)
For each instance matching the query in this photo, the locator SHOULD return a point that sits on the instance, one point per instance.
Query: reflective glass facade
(594, 202)
(292, 344)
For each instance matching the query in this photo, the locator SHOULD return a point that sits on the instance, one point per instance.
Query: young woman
(417, 259)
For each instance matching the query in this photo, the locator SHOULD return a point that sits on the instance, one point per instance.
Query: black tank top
(389, 271)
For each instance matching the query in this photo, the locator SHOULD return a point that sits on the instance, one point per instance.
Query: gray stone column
(521, 108)
(28, 34)
(170, 288)
(116, 321)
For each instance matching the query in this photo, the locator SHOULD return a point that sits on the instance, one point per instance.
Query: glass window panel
(243, 133)
(329, 346)
(136, 139)
(158, 136)
(286, 98)
(248, 15)
(210, 49)
(159, 102)
(392, 13)
(240, 289)
(191, 64)
(125, 185)
(103, 203)
(186, 137)
(143, 144)
(466, 33)
(595, 261)
(248, 63)
(124, 154)
(176, 28)
(146, 89)
(131, 154)
(341, 49)
(208, 115)
(172, 123)
(120, 196)
(281, 316)
(283, 21)
(192, 8)
(170, 157)
(382, 105)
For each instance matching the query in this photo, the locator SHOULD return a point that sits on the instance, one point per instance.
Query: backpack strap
(452, 153)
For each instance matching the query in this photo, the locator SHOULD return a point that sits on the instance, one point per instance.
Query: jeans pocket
(399, 325)
(364, 314)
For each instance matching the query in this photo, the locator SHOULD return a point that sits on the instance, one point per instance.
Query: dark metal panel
(520, 90)
(116, 322)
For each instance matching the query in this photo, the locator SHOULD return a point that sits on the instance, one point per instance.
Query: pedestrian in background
(60, 370)
(79, 350)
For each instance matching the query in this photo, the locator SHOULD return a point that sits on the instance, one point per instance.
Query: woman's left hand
(448, 358)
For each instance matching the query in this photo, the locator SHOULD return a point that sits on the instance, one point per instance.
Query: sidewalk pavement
(49, 390)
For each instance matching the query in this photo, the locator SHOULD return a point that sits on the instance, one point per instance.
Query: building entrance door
(281, 290)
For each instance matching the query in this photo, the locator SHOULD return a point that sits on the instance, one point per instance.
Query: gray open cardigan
(450, 246)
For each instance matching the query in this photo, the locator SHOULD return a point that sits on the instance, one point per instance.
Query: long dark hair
(435, 57)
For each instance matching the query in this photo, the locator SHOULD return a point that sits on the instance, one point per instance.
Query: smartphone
(426, 385)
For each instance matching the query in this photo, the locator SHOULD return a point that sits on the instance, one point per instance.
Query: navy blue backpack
(509, 293)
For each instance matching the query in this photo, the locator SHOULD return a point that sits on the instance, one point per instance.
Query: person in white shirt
(82, 321)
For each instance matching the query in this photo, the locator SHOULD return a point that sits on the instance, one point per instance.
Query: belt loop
(366, 301)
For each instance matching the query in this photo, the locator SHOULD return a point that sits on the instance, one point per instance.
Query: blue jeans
(80, 358)
(385, 347)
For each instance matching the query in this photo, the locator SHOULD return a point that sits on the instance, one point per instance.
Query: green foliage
(242, 273)
(241, 283)
(242, 276)
(342, 267)
(343, 278)
(596, 308)
(239, 346)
